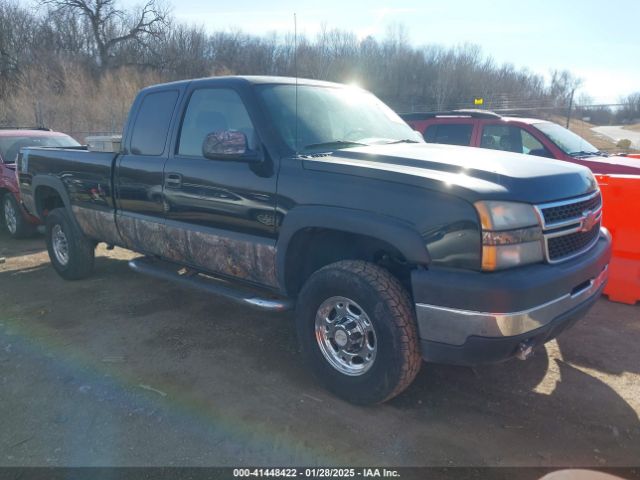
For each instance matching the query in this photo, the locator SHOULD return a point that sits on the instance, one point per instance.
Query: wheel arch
(340, 234)
(49, 192)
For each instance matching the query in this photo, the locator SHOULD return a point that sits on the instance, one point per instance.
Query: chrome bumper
(453, 326)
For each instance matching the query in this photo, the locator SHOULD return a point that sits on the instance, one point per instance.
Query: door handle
(173, 180)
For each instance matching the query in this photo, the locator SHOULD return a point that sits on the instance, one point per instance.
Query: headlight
(511, 234)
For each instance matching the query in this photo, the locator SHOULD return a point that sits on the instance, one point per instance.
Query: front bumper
(472, 318)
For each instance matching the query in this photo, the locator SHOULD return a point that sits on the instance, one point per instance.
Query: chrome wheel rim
(10, 216)
(60, 245)
(346, 336)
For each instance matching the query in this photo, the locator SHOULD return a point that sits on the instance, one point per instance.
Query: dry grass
(73, 101)
(633, 128)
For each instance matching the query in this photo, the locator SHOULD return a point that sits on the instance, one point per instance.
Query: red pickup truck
(16, 221)
(531, 136)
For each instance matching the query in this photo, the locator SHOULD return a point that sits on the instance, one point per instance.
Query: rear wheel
(13, 219)
(357, 331)
(70, 251)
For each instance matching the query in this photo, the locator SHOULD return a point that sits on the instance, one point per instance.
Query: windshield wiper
(404, 140)
(335, 143)
(582, 153)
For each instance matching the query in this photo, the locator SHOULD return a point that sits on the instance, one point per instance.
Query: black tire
(80, 250)
(21, 228)
(387, 305)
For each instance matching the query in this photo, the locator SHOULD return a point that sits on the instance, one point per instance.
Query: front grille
(571, 244)
(569, 211)
(564, 225)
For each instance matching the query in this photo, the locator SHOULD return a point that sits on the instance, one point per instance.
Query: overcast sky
(597, 40)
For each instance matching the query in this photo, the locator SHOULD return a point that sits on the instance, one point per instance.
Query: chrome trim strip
(216, 285)
(453, 326)
(575, 229)
(268, 304)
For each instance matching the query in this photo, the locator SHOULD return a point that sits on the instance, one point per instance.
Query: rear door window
(451, 134)
(152, 123)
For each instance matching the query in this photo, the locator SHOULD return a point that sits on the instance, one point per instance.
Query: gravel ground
(125, 370)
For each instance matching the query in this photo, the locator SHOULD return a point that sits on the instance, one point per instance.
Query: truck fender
(390, 230)
(56, 184)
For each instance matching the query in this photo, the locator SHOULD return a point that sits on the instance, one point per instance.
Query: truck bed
(86, 176)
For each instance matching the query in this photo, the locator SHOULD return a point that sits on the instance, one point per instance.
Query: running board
(192, 278)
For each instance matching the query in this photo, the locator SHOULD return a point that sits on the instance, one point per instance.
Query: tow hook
(525, 350)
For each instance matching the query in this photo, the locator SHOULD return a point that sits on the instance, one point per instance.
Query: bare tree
(49, 59)
(630, 110)
(15, 38)
(112, 27)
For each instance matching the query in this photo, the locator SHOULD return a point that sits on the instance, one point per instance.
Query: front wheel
(70, 251)
(357, 331)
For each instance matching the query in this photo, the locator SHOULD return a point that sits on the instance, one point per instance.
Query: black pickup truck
(316, 196)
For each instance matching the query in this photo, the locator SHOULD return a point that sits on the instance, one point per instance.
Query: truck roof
(470, 113)
(250, 79)
(21, 132)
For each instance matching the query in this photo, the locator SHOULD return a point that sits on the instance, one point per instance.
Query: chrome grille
(566, 245)
(568, 211)
(570, 227)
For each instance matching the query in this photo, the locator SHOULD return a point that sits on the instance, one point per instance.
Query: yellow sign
(478, 101)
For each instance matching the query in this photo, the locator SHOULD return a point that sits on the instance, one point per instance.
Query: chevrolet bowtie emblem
(589, 219)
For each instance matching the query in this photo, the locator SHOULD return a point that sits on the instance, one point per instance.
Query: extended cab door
(220, 213)
(139, 171)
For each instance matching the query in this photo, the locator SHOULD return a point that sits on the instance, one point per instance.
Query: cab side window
(152, 123)
(451, 134)
(213, 110)
(512, 139)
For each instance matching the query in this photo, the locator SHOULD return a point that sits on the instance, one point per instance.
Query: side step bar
(191, 278)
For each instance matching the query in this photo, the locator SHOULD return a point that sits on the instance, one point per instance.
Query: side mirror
(228, 145)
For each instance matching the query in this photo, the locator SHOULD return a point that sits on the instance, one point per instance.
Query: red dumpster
(621, 215)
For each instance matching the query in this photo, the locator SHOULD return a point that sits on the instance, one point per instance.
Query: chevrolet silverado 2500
(316, 196)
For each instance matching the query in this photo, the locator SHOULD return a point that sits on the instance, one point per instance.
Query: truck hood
(471, 173)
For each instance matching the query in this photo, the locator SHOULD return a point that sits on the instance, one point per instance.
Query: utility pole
(570, 106)
(37, 109)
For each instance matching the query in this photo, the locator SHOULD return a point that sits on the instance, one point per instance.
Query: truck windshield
(566, 140)
(10, 146)
(333, 117)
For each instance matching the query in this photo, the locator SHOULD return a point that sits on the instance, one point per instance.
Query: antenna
(295, 73)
